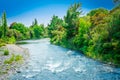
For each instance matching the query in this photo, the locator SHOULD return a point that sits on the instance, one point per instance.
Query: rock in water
(18, 71)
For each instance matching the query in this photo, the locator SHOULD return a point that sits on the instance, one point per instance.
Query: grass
(6, 52)
(2, 44)
(18, 57)
(13, 58)
(4, 72)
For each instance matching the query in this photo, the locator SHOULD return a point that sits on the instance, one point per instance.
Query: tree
(54, 25)
(97, 35)
(38, 31)
(35, 22)
(82, 38)
(21, 28)
(71, 19)
(4, 24)
(116, 1)
(0, 29)
(97, 16)
(116, 8)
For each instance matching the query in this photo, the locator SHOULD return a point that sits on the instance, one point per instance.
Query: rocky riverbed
(7, 69)
(51, 62)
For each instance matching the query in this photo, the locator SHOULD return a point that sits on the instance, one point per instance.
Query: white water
(50, 62)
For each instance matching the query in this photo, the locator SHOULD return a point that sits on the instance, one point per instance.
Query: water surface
(51, 62)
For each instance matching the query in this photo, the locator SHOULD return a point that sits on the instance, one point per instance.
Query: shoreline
(6, 70)
(88, 56)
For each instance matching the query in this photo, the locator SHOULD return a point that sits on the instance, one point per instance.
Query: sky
(25, 11)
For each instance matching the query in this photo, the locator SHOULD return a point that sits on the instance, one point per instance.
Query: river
(51, 62)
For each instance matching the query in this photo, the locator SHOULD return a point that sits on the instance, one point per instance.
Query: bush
(2, 43)
(13, 58)
(10, 60)
(6, 52)
(11, 40)
(18, 57)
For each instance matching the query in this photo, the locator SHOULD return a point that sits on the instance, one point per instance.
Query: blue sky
(26, 10)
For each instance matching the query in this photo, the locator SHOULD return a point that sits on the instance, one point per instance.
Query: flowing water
(51, 62)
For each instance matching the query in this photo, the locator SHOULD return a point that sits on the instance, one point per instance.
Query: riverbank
(109, 59)
(10, 63)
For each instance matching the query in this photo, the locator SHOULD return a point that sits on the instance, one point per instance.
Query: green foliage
(21, 28)
(6, 52)
(97, 16)
(11, 40)
(18, 57)
(35, 22)
(81, 39)
(10, 60)
(38, 31)
(56, 31)
(55, 24)
(0, 32)
(17, 34)
(115, 9)
(97, 34)
(14, 33)
(4, 25)
(71, 20)
(13, 58)
(18, 31)
(2, 43)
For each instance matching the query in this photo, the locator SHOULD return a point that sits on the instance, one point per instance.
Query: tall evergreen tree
(4, 24)
(0, 29)
(35, 22)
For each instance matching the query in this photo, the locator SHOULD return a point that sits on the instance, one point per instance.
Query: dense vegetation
(18, 31)
(97, 34)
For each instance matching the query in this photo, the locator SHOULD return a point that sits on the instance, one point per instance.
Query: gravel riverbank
(7, 69)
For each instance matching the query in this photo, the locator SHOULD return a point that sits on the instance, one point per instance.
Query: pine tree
(36, 22)
(4, 24)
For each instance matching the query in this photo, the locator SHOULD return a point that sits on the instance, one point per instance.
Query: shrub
(13, 58)
(2, 43)
(10, 60)
(11, 40)
(18, 57)
(6, 52)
